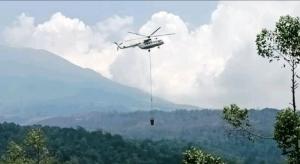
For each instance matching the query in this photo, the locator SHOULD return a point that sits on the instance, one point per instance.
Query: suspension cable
(150, 66)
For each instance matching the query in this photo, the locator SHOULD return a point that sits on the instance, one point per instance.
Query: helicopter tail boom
(123, 47)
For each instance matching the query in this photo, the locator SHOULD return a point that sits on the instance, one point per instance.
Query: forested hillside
(204, 128)
(80, 146)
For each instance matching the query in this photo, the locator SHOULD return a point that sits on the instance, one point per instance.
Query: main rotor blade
(163, 34)
(154, 31)
(137, 34)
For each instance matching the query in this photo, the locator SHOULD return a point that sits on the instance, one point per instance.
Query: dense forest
(69, 145)
(204, 128)
(77, 145)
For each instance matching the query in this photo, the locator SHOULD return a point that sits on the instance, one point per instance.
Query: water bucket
(152, 121)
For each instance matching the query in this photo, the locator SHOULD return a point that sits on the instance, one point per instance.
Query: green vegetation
(202, 128)
(42, 145)
(14, 154)
(196, 156)
(282, 43)
(32, 151)
(235, 116)
(238, 120)
(71, 146)
(287, 130)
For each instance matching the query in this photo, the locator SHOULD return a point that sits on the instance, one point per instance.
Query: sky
(210, 62)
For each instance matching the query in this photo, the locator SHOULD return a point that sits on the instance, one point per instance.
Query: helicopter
(147, 43)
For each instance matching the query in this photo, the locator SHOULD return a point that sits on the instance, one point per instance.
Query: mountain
(37, 84)
(205, 128)
(183, 124)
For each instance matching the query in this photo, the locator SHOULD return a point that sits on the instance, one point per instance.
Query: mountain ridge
(38, 84)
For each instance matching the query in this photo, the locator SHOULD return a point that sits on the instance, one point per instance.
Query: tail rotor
(118, 45)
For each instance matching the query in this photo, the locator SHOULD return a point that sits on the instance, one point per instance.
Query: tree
(237, 117)
(280, 44)
(15, 154)
(196, 156)
(32, 151)
(283, 43)
(36, 147)
(287, 129)
(238, 120)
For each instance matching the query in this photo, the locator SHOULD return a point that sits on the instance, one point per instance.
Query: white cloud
(212, 65)
(84, 45)
(115, 25)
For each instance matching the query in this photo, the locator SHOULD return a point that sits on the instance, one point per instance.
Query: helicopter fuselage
(148, 44)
